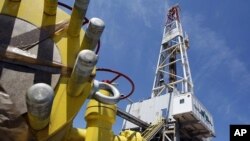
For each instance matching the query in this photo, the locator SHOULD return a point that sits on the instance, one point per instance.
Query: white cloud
(148, 10)
(137, 14)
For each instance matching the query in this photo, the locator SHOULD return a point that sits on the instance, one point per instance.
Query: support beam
(132, 119)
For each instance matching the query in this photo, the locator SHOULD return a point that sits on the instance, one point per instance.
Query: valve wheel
(119, 75)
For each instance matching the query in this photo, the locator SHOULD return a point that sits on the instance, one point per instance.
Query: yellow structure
(70, 40)
(100, 118)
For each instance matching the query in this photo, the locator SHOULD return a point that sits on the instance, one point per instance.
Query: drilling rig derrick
(173, 112)
(173, 56)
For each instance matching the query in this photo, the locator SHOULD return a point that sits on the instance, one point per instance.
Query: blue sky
(219, 37)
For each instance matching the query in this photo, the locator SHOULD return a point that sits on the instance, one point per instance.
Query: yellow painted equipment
(50, 7)
(70, 39)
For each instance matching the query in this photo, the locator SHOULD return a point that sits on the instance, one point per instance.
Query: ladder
(169, 132)
(152, 130)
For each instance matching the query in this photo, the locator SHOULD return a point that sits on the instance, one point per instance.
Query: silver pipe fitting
(93, 33)
(85, 63)
(39, 99)
(95, 28)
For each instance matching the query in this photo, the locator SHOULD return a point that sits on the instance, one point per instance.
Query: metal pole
(50, 7)
(93, 33)
(81, 74)
(77, 17)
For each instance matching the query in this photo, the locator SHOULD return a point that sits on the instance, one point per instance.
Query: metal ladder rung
(152, 130)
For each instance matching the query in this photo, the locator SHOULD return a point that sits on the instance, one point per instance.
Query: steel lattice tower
(173, 57)
(173, 112)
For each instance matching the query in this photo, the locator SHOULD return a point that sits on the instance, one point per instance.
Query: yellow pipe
(15, 0)
(100, 118)
(77, 17)
(82, 72)
(50, 7)
(93, 33)
(120, 138)
(77, 134)
(64, 107)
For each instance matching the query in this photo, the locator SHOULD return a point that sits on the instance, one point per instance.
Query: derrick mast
(173, 56)
(172, 113)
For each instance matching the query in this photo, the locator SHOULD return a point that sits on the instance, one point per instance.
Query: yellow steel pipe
(77, 17)
(100, 118)
(93, 33)
(50, 7)
(64, 107)
(77, 134)
(16, 0)
(81, 74)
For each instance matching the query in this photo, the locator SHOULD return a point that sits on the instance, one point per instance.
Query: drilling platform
(48, 68)
(173, 112)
